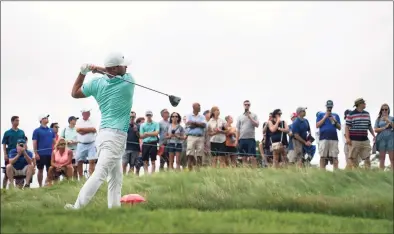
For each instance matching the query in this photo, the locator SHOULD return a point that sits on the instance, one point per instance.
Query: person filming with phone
(328, 123)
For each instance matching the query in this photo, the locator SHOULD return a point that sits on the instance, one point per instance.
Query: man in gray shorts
(132, 146)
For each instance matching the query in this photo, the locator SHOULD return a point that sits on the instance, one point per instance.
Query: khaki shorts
(360, 150)
(20, 172)
(346, 151)
(195, 146)
(328, 149)
(296, 154)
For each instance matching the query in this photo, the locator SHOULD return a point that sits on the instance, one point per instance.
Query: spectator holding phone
(175, 137)
(20, 163)
(328, 123)
(277, 131)
(385, 136)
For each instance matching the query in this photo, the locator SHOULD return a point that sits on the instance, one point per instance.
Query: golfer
(115, 98)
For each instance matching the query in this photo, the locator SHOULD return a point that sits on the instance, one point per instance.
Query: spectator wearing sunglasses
(61, 162)
(328, 124)
(246, 135)
(133, 149)
(358, 123)
(385, 136)
(175, 137)
(277, 131)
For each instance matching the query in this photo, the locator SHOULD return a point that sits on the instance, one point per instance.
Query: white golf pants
(111, 144)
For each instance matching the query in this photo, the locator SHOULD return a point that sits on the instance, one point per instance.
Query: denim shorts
(174, 147)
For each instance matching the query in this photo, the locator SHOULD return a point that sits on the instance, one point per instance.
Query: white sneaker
(69, 207)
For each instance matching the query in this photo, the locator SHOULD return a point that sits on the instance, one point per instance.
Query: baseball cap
(44, 116)
(72, 118)
(116, 59)
(300, 109)
(148, 113)
(293, 115)
(329, 103)
(21, 141)
(206, 112)
(86, 110)
(359, 101)
(347, 112)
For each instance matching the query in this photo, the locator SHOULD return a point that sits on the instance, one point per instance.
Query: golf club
(174, 100)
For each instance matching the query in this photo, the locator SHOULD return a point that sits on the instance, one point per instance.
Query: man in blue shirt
(300, 128)
(114, 95)
(328, 123)
(9, 140)
(43, 141)
(196, 124)
(149, 132)
(20, 163)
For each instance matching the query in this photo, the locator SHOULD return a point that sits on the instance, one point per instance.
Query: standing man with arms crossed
(195, 137)
(246, 135)
(9, 141)
(86, 148)
(115, 98)
(328, 123)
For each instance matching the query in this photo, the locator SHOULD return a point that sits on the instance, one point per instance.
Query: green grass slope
(212, 201)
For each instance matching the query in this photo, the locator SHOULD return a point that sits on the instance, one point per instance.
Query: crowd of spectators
(200, 140)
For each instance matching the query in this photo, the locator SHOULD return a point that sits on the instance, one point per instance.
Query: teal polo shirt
(149, 127)
(10, 138)
(115, 99)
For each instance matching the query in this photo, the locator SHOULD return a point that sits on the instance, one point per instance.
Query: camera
(173, 131)
(223, 128)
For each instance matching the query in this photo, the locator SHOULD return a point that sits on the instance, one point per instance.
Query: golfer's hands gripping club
(86, 68)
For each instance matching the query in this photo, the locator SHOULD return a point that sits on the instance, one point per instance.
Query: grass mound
(227, 200)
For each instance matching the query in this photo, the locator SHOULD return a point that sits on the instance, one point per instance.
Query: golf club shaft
(111, 76)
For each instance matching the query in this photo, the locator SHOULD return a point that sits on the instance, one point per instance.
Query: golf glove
(85, 68)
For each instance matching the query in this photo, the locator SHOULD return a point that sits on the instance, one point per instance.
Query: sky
(275, 54)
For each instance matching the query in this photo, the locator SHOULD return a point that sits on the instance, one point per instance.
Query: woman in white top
(217, 131)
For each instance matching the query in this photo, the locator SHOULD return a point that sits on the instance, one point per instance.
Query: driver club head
(174, 100)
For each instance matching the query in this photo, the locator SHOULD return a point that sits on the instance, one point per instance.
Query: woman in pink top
(61, 162)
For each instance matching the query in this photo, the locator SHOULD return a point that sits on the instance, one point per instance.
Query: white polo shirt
(87, 138)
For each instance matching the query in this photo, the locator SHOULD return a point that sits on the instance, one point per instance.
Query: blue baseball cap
(21, 141)
(72, 118)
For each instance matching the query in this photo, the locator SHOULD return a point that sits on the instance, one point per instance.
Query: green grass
(229, 200)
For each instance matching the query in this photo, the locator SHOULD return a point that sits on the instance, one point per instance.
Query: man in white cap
(43, 140)
(86, 148)
(115, 98)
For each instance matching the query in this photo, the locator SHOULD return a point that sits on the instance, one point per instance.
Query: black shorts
(218, 149)
(149, 151)
(44, 161)
(231, 150)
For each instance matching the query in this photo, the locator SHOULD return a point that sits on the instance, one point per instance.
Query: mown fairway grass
(228, 200)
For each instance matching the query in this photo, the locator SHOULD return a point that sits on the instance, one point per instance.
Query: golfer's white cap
(116, 59)
(86, 110)
(43, 116)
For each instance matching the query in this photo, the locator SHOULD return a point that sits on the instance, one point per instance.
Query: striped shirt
(358, 123)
